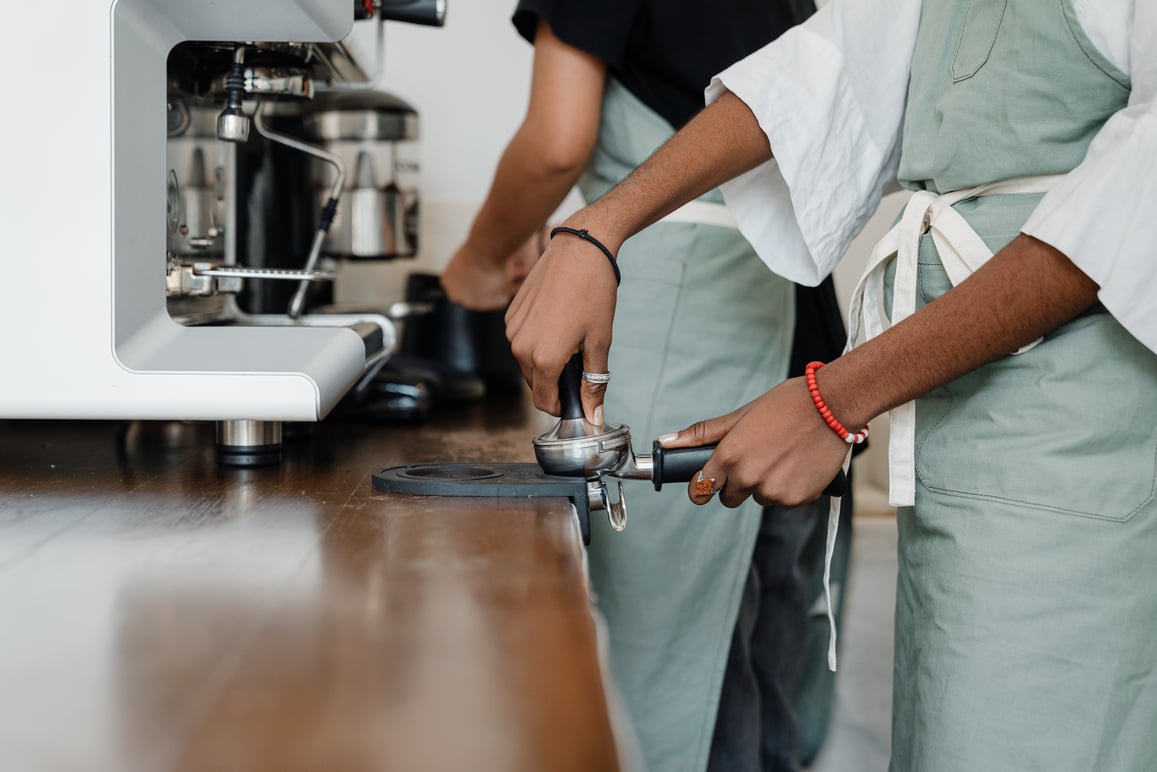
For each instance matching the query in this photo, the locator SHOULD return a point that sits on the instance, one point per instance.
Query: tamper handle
(570, 388)
(672, 465)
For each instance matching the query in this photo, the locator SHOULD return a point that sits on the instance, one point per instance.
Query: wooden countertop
(158, 612)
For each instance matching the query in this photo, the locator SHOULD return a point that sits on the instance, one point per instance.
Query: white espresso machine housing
(87, 333)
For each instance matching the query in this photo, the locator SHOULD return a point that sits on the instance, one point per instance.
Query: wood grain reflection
(161, 613)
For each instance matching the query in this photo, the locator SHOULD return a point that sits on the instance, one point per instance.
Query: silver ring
(596, 377)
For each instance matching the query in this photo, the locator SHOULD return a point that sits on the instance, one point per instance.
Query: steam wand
(327, 212)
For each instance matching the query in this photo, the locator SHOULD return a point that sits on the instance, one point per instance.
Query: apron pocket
(1066, 427)
(977, 36)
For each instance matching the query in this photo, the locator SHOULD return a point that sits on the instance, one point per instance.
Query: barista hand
(473, 280)
(566, 304)
(775, 448)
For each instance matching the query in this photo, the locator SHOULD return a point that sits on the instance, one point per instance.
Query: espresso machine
(190, 175)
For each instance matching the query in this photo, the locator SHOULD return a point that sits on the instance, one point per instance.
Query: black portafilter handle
(671, 465)
(570, 385)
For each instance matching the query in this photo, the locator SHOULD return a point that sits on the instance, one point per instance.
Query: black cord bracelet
(586, 236)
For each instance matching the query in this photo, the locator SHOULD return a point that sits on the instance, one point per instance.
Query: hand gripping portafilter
(577, 448)
(574, 457)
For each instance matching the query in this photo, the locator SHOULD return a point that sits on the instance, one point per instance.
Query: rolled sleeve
(829, 94)
(1103, 214)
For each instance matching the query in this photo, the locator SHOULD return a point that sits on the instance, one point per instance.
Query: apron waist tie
(961, 252)
(703, 213)
(699, 213)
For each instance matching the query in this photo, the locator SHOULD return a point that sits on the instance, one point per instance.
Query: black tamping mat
(505, 481)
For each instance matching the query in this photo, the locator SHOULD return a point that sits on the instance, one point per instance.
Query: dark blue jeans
(777, 689)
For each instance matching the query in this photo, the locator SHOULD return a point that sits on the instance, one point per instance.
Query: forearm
(548, 153)
(721, 142)
(1027, 290)
(524, 193)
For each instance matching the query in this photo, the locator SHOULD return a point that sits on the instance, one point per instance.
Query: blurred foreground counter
(158, 612)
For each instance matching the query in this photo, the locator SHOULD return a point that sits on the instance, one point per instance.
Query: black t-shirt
(664, 51)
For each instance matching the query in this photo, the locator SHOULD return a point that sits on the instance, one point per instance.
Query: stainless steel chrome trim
(248, 434)
(288, 274)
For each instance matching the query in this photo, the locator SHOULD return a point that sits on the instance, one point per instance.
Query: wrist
(852, 393)
(584, 235)
(853, 434)
(481, 255)
(595, 220)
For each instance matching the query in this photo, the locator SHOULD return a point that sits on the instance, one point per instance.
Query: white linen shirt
(830, 93)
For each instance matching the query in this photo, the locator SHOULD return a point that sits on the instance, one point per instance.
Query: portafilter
(575, 447)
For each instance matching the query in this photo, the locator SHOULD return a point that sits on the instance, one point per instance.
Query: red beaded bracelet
(848, 437)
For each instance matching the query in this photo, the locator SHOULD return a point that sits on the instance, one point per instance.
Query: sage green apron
(1026, 612)
(701, 327)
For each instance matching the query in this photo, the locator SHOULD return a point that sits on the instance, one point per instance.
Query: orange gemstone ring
(704, 486)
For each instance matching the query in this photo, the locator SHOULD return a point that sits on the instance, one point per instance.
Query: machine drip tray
(514, 481)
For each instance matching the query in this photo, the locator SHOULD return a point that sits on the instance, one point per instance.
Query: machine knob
(233, 123)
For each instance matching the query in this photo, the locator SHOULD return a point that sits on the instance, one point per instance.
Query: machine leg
(248, 443)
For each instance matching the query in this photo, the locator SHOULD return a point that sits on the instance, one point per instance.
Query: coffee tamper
(575, 447)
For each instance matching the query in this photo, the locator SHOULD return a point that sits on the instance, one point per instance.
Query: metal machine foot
(248, 443)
